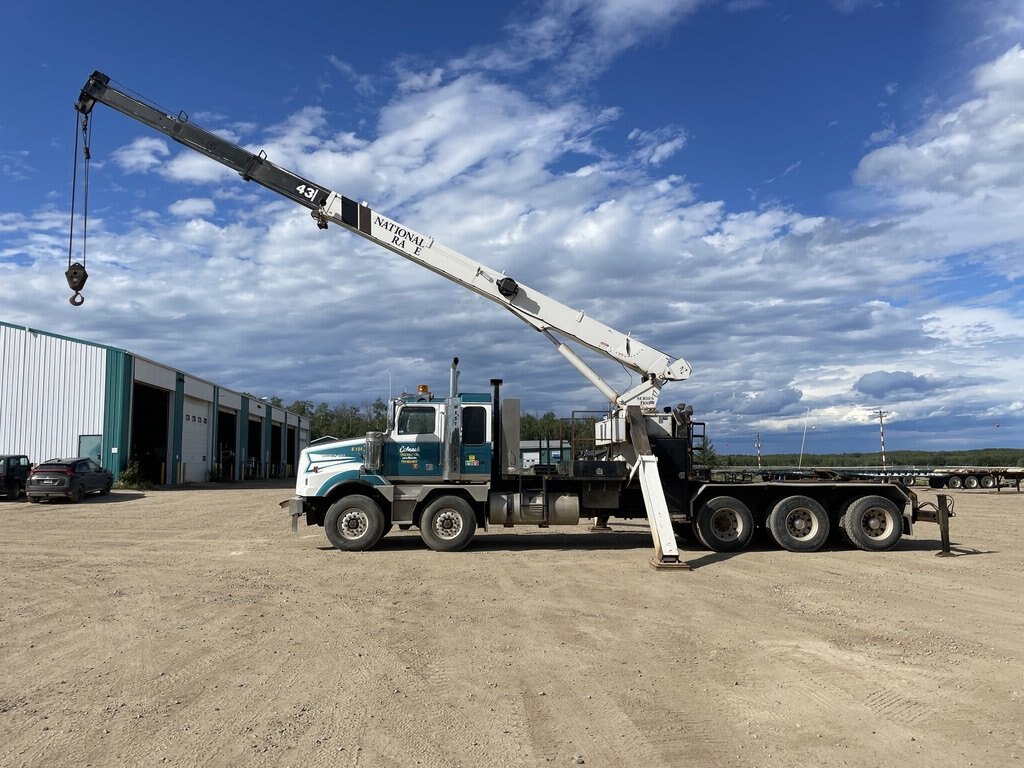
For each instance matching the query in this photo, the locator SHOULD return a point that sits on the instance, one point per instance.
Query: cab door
(414, 450)
(476, 441)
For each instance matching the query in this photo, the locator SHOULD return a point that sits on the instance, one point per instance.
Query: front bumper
(296, 508)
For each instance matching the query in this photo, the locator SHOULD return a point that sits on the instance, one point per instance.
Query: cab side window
(417, 421)
(474, 425)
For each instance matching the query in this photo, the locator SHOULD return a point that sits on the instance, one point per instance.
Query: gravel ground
(191, 627)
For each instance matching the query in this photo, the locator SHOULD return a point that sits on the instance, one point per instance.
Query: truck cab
(432, 438)
(431, 444)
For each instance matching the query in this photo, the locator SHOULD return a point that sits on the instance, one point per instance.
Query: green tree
(705, 455)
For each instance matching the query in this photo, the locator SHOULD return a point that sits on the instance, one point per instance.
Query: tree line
(345, 420)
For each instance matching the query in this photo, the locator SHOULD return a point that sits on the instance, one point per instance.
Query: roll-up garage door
(195, 441)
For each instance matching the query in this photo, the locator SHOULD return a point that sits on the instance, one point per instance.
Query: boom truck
(450, 464)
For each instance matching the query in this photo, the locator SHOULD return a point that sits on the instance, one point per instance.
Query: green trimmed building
(62, 397)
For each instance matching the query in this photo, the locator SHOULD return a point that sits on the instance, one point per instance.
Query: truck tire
(448, 523)
(988, 481)
(724, 524)
(873, 523)
(354, 523)
(955, 481)
(799, 524)
(971, 482)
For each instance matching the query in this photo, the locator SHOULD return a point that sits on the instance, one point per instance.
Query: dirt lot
(192, 628)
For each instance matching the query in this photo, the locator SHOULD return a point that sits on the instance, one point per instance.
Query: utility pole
(881, 430)
(803, 439)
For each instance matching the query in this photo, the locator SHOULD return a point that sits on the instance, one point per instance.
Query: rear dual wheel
(799, 524)
(724, 524)
(873, 523)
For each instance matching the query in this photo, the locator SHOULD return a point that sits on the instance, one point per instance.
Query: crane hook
(76, 276)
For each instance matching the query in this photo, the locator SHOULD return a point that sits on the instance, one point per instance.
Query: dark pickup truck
(13, 475)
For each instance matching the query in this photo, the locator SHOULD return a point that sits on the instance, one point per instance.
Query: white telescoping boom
(550, 317)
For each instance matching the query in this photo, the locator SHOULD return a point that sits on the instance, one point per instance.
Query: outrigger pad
(674, 565)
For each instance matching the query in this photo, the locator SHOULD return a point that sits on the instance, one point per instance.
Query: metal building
(64, 397)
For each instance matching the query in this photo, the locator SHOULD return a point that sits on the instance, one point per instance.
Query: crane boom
(554, 319)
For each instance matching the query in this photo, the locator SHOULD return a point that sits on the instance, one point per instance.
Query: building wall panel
(51, 392)
(148, 372)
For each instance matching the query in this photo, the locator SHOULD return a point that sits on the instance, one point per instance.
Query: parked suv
(13, 475)
(69, 479)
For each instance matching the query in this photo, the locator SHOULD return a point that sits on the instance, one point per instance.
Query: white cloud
(193, 206)
(143, 154)
(778, 311)
(657, 146)
(577, 39)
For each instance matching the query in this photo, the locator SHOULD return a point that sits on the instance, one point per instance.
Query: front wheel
(725, 524)
(873, 523)
(448, 524)
(355, 523)
(799, 524)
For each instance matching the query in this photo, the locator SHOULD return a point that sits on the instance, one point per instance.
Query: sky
(819, 204)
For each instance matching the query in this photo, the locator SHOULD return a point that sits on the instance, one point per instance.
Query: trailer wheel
(724, 524)
(873, 523)
(799, 524)
(971, 482)
(988, 481)
(448, 524)
(355, 523)
(955, 481)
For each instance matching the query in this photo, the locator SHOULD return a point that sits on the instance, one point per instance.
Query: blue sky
(819, 205)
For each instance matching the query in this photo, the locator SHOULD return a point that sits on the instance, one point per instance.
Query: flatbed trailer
(955, 477)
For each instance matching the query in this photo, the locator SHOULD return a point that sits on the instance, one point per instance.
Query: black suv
(68, 479)
(13, 475)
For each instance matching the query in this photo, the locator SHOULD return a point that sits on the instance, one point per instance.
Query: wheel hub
(447, 525)
(725, 525)
(353, 525)
(800, 524)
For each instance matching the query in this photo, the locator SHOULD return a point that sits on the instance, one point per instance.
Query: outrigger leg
(666, 555)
